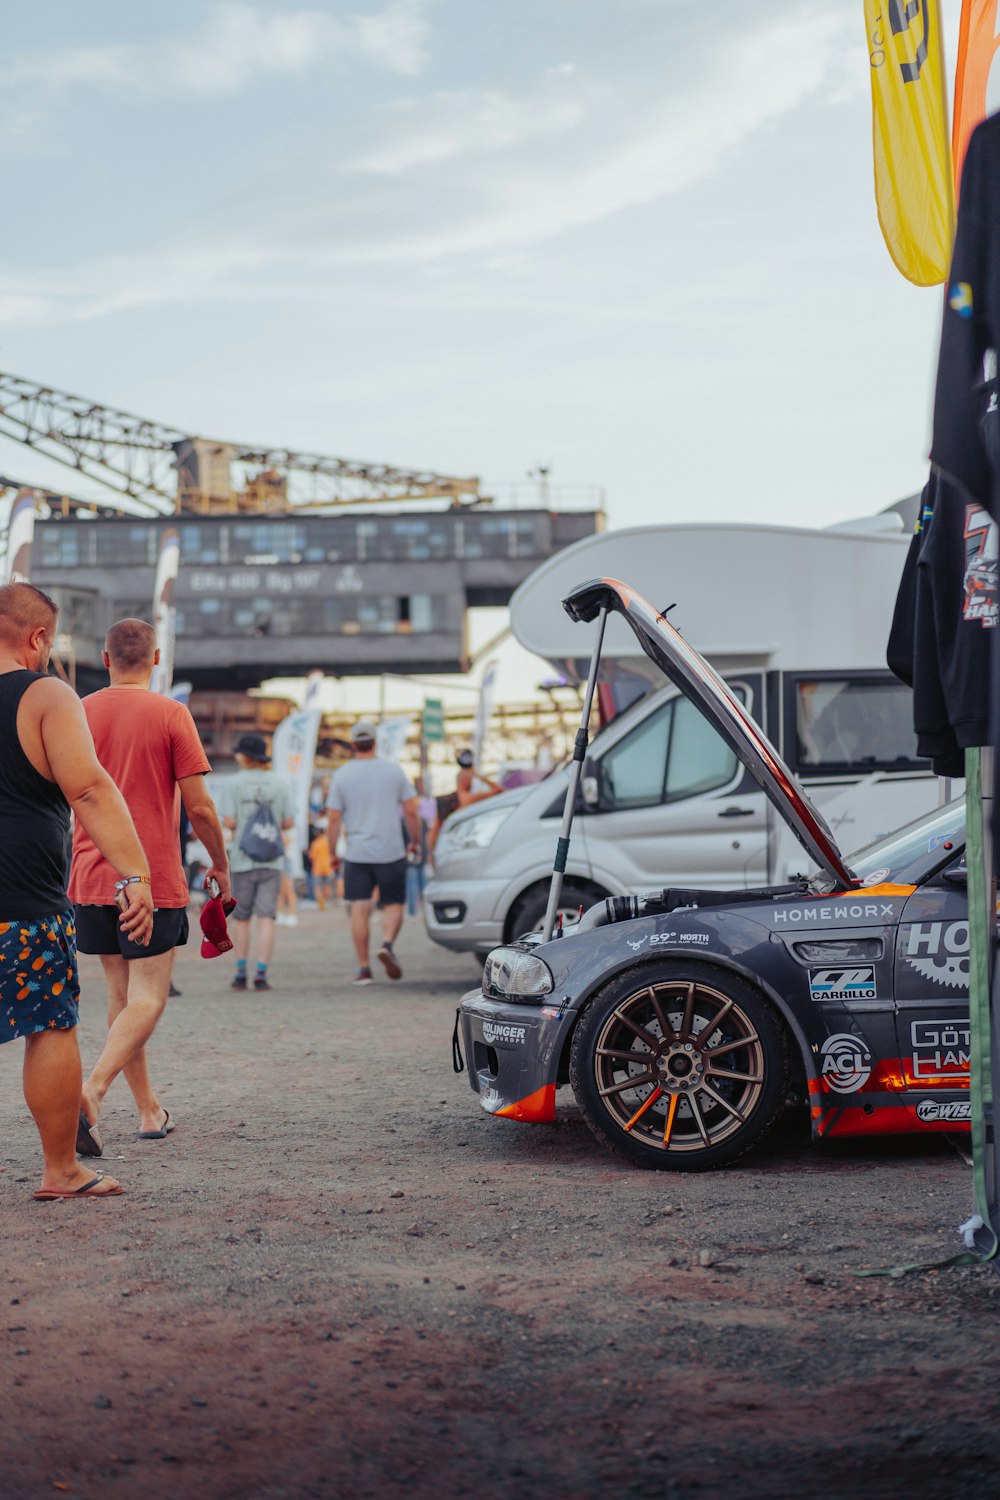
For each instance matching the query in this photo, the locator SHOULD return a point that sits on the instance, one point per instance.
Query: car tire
(649, 1062)
(529, 912)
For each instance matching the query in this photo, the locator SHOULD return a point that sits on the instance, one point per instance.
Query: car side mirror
(590, 785)
(957, 875)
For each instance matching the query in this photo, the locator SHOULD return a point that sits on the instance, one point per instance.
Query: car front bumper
(513, 1053)
(462, 914)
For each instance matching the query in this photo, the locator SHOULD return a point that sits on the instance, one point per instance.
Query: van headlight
(475, 832)
(510, 972)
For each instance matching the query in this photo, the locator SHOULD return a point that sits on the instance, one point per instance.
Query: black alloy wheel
(679, 1066)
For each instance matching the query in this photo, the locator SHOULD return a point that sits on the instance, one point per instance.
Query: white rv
(797, 622)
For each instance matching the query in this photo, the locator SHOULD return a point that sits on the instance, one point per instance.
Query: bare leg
(241, 939)
(137, 994)
(360, 923)
(288, 901)
(52, 1076)
(392, 921)
(265, 939)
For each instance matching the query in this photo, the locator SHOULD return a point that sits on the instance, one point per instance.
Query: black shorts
(97, 931)
(360, 880)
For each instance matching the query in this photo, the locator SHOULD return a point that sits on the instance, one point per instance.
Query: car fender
(718, 958)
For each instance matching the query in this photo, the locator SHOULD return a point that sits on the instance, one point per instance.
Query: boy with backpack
(256, 806)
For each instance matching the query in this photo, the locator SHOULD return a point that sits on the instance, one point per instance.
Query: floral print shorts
(39, 987)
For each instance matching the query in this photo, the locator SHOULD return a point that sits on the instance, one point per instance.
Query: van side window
(852, 724)
(674, 753)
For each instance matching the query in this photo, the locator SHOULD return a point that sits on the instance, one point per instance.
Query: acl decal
(939, 951)
(940, 1049)
(843, 984)
(847, 1063)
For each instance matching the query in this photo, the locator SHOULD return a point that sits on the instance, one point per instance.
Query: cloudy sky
(632, 240)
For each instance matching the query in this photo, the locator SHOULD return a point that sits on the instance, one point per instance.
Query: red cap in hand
(213, 924)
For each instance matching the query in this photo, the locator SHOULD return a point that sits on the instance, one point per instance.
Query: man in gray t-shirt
(255, 796)
(371, 798)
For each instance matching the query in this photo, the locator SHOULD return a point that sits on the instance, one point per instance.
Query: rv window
(853, 724)
(673, 753)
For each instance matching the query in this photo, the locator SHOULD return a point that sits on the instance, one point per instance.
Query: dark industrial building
(261, 596)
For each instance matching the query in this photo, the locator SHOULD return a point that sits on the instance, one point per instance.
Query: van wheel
(529, 913)
(679, 1066)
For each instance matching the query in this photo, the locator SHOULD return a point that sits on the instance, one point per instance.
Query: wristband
(130, 880)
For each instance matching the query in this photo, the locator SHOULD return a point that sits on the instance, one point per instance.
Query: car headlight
(508, 971)
(477, 832)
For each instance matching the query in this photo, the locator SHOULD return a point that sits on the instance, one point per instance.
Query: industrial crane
(164, 470)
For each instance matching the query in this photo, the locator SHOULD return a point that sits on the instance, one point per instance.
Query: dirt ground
(338, 1278)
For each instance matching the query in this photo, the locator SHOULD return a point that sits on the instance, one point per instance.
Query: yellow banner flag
(913, 189)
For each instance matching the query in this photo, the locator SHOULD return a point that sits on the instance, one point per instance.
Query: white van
(797, 622)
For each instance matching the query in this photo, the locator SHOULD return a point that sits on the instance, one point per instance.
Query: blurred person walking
(367, 795)
(47, 767)
(464, 794)
(149, 745)
(321, 866)
(257, 807)
(287, 914)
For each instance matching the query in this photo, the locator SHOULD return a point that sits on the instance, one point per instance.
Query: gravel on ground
(337, 1277)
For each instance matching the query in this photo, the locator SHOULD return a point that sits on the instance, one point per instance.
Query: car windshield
(901, 858)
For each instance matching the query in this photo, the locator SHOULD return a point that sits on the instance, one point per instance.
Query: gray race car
(685, 1019)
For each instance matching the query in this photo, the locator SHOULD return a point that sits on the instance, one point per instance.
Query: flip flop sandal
(88, 1138)
(161, 1134)
(45, 1195)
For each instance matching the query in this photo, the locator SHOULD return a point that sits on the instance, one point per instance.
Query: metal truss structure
(164, 470)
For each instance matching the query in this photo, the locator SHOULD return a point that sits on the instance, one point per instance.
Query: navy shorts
(97, 931)
(360, 880)
(39, 988)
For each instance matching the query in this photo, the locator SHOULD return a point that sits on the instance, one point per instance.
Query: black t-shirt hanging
(966, 419)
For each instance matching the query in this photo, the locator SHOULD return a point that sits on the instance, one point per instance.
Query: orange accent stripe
(882, 890)
(642, 1110)
(538, 1108)
(671, 1111)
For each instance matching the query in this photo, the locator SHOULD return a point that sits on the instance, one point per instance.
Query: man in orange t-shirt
(149, 745)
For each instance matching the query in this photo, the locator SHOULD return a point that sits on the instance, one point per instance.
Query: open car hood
(700, 683)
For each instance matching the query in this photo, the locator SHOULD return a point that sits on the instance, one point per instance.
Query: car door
(932, 989)
(675, 805)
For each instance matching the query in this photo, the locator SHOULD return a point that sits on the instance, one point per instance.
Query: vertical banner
(432, 721)
(293, 755)
(913, 182)
(313, 684)
(391, 736)
(977, 47)
(484, 709)
(164, 609)
(20, 536)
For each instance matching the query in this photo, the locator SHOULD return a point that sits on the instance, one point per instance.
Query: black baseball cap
(253, 746)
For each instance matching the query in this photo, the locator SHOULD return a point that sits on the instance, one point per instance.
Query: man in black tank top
(48, 767)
